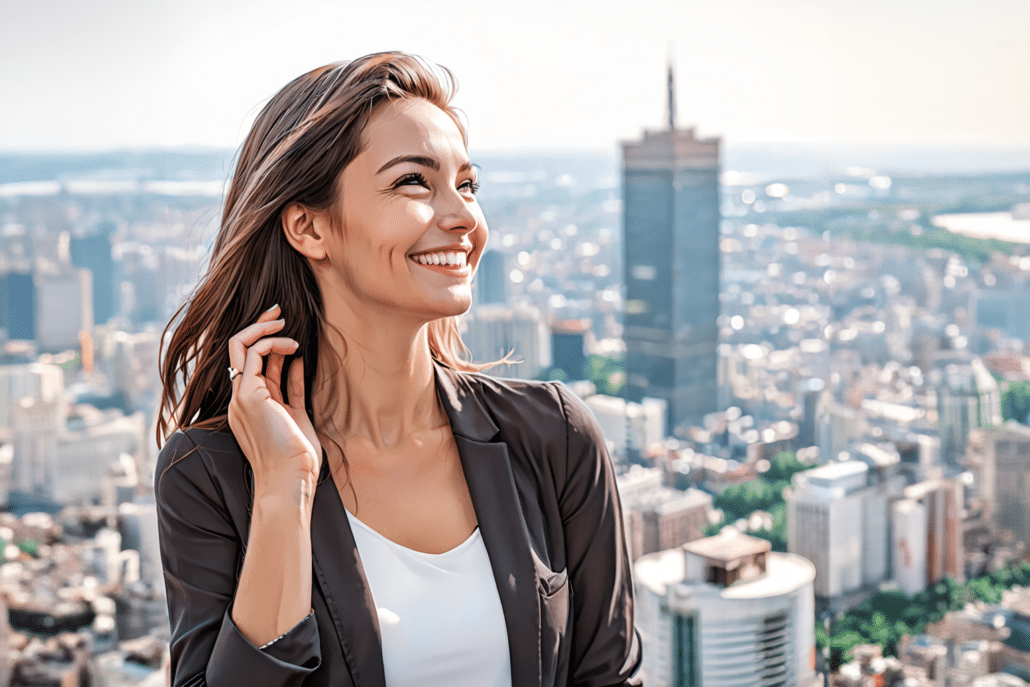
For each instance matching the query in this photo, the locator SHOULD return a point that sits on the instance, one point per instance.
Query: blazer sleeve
(200, 551)
(605, 644)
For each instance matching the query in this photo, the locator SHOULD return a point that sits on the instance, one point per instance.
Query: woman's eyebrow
(422, 160)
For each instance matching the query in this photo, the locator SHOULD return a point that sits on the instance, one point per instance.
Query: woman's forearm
(274, 590)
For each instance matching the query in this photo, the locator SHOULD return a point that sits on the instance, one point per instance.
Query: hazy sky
(93, 74)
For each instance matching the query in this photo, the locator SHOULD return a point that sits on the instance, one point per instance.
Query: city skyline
(112, 74)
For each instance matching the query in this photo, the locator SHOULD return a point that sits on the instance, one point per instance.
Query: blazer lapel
(487, 468)
(341, 578)
(491, 485)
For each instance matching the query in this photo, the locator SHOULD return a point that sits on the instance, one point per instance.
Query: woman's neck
(384, 378)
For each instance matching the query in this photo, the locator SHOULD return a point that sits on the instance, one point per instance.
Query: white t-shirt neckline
(456, 551)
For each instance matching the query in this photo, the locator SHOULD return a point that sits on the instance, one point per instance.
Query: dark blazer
(544, 494)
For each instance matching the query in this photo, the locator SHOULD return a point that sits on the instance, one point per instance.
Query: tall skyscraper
(93, 252)
(671, 257)
(18, 305)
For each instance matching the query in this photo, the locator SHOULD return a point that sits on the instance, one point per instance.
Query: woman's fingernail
(272, 308)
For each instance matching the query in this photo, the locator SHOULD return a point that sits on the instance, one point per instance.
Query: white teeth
(456, 259)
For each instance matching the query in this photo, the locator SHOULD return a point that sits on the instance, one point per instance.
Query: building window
(685, 667)
(645, 272)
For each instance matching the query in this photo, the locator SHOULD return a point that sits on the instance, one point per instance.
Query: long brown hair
(295, 152)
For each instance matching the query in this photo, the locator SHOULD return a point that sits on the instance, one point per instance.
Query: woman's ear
(306, 230)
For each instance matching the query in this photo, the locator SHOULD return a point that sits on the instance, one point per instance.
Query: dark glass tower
(18, 305)
(671, 256)
(93, 252)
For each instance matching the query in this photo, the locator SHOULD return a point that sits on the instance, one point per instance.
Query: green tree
(607, 374)
(783, 466)
(984, 589)
(741, 500)
(1015, 401)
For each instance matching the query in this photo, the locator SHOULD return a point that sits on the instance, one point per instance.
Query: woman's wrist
(282, 496)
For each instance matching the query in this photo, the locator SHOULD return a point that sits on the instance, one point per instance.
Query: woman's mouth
(454, 263)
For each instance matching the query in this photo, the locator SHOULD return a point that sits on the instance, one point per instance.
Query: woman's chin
(455, 302)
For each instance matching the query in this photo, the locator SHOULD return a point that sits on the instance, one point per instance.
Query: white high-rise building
(80, 462)
(495, 329)
(837, 520)
(910, 526)
(36, 381)
(640, 424)
(64, 308)
(725, 611)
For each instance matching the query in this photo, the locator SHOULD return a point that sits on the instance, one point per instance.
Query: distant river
(987, 225)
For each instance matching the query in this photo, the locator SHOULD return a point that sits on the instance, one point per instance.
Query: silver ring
(233, 372)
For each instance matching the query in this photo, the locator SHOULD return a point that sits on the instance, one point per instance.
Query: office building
(64, 307)
(18, 305)
(140, 291)
(927, 535)
(671, 261)
(909, 525)
(837, 518)
(629, 426)
(1007, 310)
(657, 517)
(491, 280)
(93, 252)
(837, 426)
(967, 398)
(35, 381)
(1000, 460)
(494, 330)
(725, 611)
(568, 346)
(942, 499)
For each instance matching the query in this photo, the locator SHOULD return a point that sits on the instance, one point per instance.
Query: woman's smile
(449, 260)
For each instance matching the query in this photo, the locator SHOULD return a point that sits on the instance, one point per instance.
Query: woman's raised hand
(276, 436)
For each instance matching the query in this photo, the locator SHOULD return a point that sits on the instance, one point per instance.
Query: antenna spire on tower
(672, 95)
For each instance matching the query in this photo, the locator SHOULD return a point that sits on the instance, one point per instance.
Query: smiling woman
(352, 503)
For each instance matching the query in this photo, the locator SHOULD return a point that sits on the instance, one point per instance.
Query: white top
(440, 615)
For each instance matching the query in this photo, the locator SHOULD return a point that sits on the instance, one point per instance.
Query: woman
(351, 503)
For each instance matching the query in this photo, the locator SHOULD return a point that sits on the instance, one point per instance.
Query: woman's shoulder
(527, 394)
(537, 403)
(200, 454)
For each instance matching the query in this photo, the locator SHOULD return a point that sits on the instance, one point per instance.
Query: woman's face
(412, 231)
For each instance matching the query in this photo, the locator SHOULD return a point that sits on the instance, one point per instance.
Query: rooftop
(784, 573)
(728, 545)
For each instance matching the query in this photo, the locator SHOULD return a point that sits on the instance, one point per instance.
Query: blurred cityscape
(814, 382)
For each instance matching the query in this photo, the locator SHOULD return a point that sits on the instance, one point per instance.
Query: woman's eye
(470, 186)
(414, 179)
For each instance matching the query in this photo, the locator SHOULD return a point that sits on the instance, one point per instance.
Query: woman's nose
(456, 213)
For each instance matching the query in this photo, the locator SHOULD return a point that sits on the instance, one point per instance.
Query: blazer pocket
(551, 584)
(555, 627)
